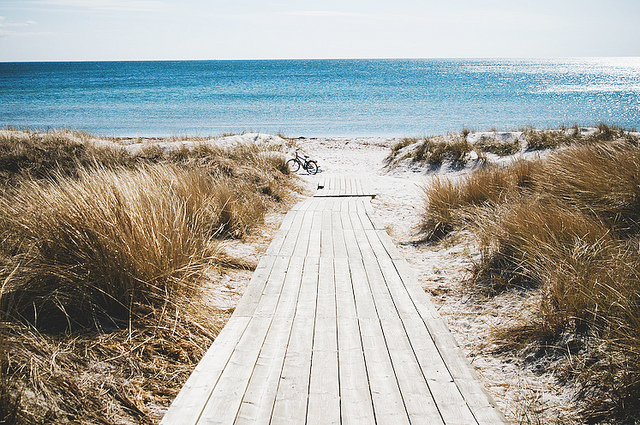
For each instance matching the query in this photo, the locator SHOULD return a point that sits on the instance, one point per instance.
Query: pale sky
(69, 30)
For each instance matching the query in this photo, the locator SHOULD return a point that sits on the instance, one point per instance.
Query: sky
(90, 30)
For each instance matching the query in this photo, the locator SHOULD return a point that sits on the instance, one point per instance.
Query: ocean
(310, 98)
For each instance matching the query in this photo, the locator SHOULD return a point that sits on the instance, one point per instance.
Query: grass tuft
(599, 179)
(88, 249)
(498, 147)
(432, 151)
(103, 259)
(448, 204)
(549, 139)
(566, 231)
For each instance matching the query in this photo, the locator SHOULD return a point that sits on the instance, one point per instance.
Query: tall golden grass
(102, 258)
(449, 204)
(26, 155)
(89, 249)
(566, 229)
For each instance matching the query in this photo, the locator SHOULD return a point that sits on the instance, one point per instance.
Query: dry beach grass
(103, 260)
(564, 231)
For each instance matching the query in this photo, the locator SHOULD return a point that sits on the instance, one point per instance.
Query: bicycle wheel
(293, 165)
(311, 167)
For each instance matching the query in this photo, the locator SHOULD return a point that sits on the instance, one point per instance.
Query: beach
(522, 392)
(524, 382)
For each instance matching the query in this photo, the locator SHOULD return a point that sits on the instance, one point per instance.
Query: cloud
(106, 5)
(322, 14)
(10, 24)
(12, 28)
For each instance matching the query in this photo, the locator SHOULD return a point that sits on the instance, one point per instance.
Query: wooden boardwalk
(333, 329)
(343, 186)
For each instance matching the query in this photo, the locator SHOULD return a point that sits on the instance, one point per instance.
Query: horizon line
(320, 59)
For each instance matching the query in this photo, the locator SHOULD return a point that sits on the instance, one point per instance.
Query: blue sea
(311, 98)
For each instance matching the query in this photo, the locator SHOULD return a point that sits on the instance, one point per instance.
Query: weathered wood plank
(351, 244)
(326, 243)
(196, 392)
(324, 392)
(315, 238)
(249, 301)
(226, 397)
(286, 238)
(450, 402)
(415, 391)
(480, 405)
(343, 186)
(385, 392)
(260, 395)
(337, 233)
(356, 407)
(293, 387)
(480, 402)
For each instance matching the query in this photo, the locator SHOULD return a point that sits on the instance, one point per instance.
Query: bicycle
(309, 165)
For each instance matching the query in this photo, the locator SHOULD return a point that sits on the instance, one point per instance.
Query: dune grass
(449, 204)
(26, 155)
(432, 151)
(498, 147)
(456, 151)
(565, 230)
(102, 261)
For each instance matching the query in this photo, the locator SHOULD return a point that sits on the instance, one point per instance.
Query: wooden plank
(260, 395)
(365, 220)
(324, 394)
(293, 387)
(387, 243)
(326, 236)
(361, 237)
(271, 292)
(415, 391)
(468, 385)
(344, 186)
(339, 244)
(450, 402)
(187, 407)
(304, 234)
(286, 238)
(356, 406)
(315, 242)
(226, 398)
(385, 392)
(481, 403)
(351, 244)
(249, 301)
